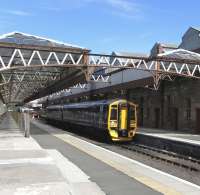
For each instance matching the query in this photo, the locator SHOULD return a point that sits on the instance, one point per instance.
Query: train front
(122, 120)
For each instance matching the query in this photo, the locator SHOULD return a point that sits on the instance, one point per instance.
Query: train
(116, 119)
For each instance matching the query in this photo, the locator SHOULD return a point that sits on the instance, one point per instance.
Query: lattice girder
(31, 69)
(36, 58)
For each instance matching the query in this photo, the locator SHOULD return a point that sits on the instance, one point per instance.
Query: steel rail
(165, 156)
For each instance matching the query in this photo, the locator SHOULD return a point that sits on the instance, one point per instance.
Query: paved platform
(26, 168)
(183, 143)
(171, 135)
(115, 174)
(53, 162)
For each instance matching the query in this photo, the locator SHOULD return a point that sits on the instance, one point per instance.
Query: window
(168, 106)
(188, 109)
(132, 113)
(148, 112)
(113, 115)
(105, 111)
(142, 102)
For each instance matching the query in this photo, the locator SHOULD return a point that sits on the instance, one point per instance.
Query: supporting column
(2, 108)
(27, 124)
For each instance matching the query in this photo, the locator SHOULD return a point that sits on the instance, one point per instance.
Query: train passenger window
(113, 115)
(105, 113)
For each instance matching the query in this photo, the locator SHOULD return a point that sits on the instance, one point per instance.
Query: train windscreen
(132, 112)
(113, 115)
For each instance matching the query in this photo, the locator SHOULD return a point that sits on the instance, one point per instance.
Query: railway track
(168, 157)
(165, 156)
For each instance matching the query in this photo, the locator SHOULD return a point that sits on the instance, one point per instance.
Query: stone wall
(174, 106)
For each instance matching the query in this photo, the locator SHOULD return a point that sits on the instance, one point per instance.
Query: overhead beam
(66, 82)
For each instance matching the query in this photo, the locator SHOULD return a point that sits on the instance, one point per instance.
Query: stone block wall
(174, 106)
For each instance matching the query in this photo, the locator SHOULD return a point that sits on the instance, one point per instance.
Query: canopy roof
(27, 39)
(181, 54)
(30, 66)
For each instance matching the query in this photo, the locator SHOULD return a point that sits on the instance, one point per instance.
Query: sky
(102, 25)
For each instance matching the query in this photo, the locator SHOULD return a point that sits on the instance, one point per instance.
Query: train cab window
(132, 112)
(113, 115)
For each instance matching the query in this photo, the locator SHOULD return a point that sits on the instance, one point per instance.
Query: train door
(132, 117)
(123, 115)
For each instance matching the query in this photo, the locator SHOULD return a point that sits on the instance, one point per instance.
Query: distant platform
(184, 143)
(172, 135)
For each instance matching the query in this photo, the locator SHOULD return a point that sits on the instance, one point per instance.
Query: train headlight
(113, 133)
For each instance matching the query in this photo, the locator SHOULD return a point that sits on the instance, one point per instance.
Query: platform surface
(171, 135)
(52, 162)
(114, 173)
(26, 168)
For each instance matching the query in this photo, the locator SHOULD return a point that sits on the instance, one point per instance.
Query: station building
(174, 106)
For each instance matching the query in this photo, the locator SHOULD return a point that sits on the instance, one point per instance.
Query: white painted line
(70, 171)
(46, 160)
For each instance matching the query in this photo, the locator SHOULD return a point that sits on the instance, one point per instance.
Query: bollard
(27, 124)
(21, 121)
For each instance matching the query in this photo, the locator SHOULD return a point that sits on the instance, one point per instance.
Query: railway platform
(181, 142)
(114, 173)
(26, 168)
(53, 161)
(173, 135)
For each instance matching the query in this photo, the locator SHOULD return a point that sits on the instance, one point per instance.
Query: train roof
(84, 104)
(54, 106)
(88, 104)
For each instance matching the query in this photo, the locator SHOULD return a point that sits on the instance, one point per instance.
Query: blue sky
(102, 25)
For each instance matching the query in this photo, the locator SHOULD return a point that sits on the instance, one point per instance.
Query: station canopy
(30, 66)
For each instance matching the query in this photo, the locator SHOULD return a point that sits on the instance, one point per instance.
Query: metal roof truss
(25, 71)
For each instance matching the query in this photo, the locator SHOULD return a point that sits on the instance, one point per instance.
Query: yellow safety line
(141, 178)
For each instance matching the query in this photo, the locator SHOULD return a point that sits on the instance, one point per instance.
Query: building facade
(176, 105)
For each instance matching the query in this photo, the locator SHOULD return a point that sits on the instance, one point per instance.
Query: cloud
(108, 40)
(16, 12)
(124, 5)
(146, 35)
(121, 8)
(63, 5)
